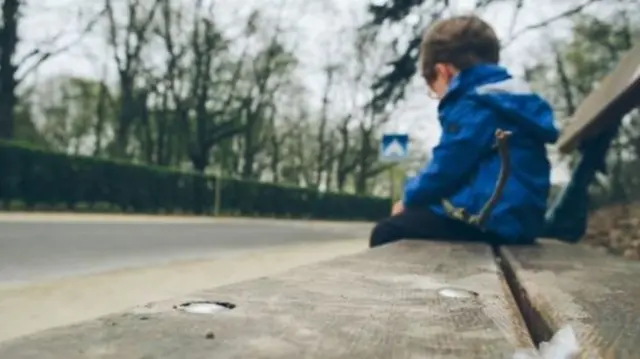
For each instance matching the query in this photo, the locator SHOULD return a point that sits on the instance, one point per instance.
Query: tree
(8, 68)
(70, 109)
(207, 126)
(165, 141)
(14, 71)
(128, 41)
(269, 72)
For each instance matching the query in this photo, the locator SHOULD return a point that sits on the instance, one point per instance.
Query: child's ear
(445, 71)
(451, 70)
(441, 70)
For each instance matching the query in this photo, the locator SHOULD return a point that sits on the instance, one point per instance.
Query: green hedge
(37, 177)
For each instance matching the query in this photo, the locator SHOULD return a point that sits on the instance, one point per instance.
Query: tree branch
(514, 18)
(45, 55)
(113, 37)
(141, 31)
(572, 11)
(224, 130)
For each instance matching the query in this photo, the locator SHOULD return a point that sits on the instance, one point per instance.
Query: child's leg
(423, 224)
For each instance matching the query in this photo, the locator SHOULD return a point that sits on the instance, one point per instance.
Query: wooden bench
(411, 299)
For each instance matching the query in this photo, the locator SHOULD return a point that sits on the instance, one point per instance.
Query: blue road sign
(394, 147)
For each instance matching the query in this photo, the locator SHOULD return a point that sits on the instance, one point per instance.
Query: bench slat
(382, 303)
(616, 95)
(597, 293)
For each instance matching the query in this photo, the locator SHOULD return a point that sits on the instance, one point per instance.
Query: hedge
(37, 177)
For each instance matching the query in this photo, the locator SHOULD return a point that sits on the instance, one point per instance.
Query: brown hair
(462, 41)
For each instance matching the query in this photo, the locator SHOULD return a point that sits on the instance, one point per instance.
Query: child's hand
(397, 208)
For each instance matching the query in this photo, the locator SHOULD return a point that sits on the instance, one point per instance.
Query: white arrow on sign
(394, 149)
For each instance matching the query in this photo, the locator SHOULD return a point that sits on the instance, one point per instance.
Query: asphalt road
(42, 249)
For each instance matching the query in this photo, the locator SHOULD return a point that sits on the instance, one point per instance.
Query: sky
(321, 31)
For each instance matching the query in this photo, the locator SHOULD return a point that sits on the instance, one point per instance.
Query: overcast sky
(318, 24)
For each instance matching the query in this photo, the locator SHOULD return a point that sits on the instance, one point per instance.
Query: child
(459, 60)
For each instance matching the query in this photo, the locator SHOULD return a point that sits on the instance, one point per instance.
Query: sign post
(394, 148)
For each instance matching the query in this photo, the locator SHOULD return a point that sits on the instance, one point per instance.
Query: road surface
(58, 270)
(43, 247)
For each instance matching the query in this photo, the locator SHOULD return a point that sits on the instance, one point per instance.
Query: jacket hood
(494, 86)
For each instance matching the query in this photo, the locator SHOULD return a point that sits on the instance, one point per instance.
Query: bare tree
(172, 103)
(359, 129)
(128, 41)
(324, 158)
(287, 122)
(14, 71)
(267, 75)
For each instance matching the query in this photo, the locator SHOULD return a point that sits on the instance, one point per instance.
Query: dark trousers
(425, 224)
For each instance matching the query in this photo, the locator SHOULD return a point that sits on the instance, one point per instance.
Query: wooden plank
(596, 293)
(617, 94)
(383, 303)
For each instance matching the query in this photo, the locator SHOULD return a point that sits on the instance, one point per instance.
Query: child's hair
(462, 41)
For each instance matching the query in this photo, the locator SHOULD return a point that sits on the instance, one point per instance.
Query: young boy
(459, 60)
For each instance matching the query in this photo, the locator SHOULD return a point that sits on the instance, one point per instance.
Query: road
(58, 270)
(55, 246)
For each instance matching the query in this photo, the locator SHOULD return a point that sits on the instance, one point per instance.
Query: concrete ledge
(383, 303)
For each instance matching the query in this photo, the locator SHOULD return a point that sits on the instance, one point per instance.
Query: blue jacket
(464, 167)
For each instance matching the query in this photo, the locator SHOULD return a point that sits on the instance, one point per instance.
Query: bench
(411, 299)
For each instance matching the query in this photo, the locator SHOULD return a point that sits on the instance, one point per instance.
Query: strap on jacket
(505, 169)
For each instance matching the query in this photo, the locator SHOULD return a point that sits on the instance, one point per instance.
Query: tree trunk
(8, 44)
(249, 151)
(125, 117)
(200, 161)
(145, 120)
(329, 165)
(363, 161)
(275, 159)
(565, 84)
(101, 114)
(248, 162)
(343, 168)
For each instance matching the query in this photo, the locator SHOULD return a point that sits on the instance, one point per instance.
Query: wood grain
(596, 293)
(382, 303)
